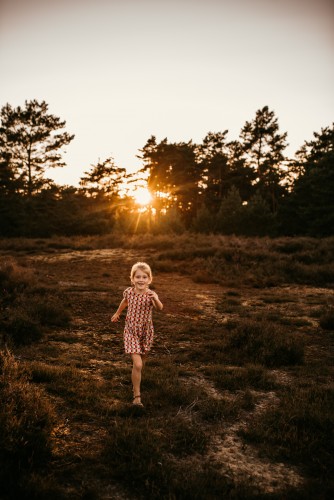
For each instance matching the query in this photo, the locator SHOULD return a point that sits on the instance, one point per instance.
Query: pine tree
(173, 176)
(258, 218)
(30, 142)
(104, 178)
(263, 148)
(223, 167)
(310, 207)
(230, 215)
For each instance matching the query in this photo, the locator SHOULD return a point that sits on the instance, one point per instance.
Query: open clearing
(91, 283)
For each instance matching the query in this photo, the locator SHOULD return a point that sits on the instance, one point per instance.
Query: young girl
(138, 330)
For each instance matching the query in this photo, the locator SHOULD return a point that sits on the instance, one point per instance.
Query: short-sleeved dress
(138, 329)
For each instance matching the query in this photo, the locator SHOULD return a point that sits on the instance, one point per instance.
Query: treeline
(246, 186)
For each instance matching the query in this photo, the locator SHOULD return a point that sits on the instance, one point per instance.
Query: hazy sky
(119, 71)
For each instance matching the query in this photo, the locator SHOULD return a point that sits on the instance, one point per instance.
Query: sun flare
(142, 196)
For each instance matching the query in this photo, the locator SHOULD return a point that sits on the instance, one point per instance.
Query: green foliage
(213, 157)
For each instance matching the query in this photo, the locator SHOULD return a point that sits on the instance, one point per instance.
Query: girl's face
(141, 280)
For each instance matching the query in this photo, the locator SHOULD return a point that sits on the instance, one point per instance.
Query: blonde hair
(143, 267)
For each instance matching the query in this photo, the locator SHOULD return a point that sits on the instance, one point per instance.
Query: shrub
(230, 217)
(264, 342)
(205, 221)
(236, 378)
(13, 278)
(326, 320)
(23, 330)
(26, 423)
(258, 218)
(25, 307)
(49, 310)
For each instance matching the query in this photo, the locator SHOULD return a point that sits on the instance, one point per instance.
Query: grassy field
(237, 391)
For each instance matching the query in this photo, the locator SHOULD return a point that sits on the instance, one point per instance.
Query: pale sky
(119, 71)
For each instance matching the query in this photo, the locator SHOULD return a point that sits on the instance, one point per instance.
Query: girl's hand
(152, 294)
(154, 299)
(115, 317)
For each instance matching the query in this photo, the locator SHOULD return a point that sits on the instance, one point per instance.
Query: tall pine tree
(30, 144)
(310, 207)
(263, 147)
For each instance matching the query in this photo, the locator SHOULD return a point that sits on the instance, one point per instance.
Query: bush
(266, 343)
(205, 221)
(26, 423)
(26, 308)
(23, 330)
(49, 311)
(230, 217)
(237, 378)
(326, 320)
(258, 218)
(14, 279)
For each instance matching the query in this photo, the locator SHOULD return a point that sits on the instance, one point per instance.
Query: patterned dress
(138, 329)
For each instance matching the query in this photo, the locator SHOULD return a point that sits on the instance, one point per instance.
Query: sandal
(137, 404)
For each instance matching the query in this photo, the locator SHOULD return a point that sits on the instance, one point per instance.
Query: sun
(142, 196)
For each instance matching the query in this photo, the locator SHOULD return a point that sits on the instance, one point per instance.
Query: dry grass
(243, 353)
(25, 307)
(27, 419)
(300, 429)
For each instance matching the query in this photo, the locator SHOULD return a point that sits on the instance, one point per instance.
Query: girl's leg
(136, 376)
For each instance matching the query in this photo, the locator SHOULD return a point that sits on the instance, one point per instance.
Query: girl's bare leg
(136, 376)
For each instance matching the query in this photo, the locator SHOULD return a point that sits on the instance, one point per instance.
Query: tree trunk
(29, 171)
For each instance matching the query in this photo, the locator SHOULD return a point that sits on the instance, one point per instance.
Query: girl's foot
(137, 401)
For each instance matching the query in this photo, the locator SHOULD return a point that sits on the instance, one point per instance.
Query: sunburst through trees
(246, 186)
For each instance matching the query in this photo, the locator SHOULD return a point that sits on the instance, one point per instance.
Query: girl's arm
(121, 307)
(155, 300)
